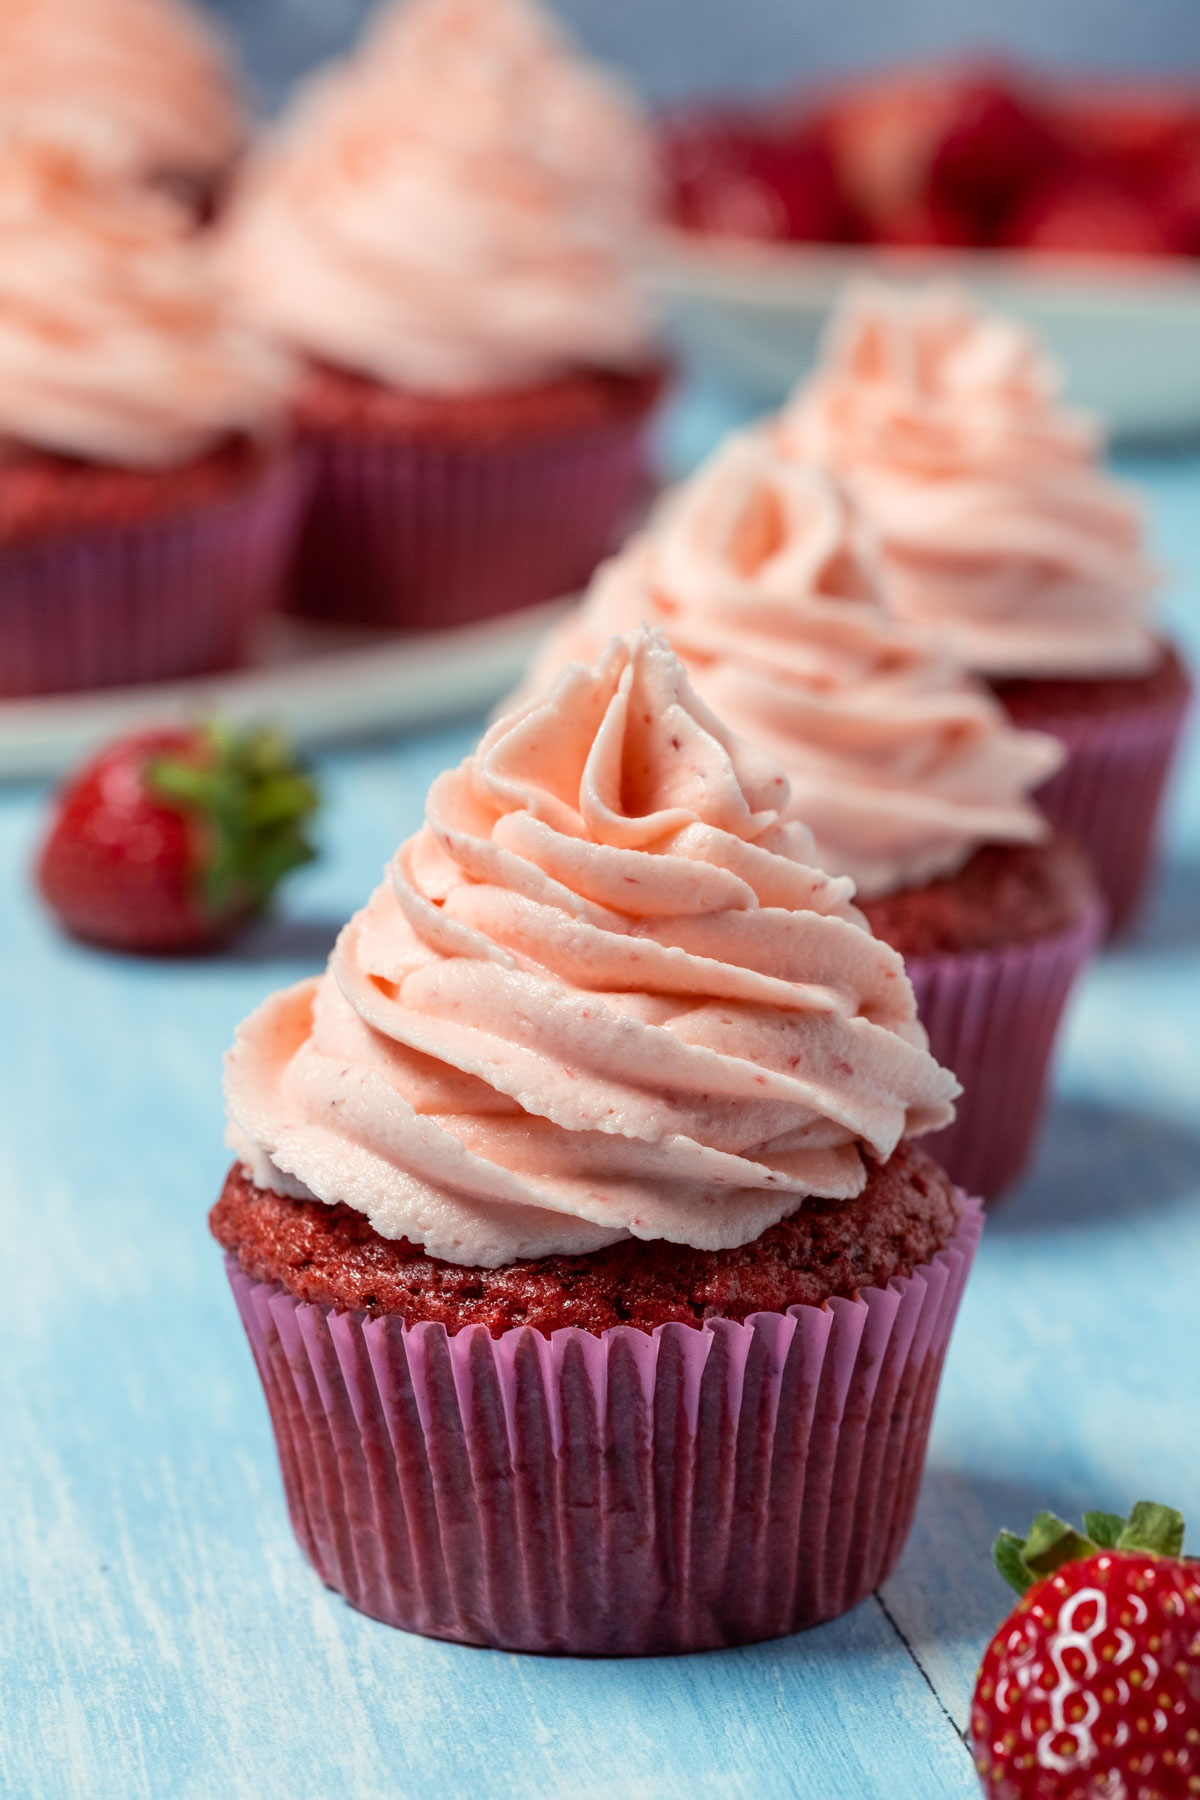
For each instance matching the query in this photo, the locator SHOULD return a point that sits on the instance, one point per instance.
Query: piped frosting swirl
(1001, 534)
(899, 763)
(461, 205)
(154, 70)
(602, 993)
(117, 342)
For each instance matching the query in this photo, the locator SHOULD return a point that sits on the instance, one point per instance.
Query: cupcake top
(154, 70)
(602, 993)
(1002, 535)
(899, 763)
(458, 207)
(116, 341)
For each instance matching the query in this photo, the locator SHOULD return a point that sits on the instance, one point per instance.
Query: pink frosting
(602, 993)
(459, 206)
(116, 338)
(1001, 533)
(900, 764)
(155, 70)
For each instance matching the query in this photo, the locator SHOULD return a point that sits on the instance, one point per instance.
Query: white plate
(319, 684)
(1127, 333)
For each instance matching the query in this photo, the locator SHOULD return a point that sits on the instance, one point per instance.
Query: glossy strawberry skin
(120, 867)
(1091, 1689)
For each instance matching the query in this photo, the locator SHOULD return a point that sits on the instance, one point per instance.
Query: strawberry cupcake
(598, 1290)
(446, 229)
(1003, 537)
(146, 504)
(906, 770)
(155, 71)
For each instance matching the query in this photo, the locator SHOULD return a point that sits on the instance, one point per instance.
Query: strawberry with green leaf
(170, 840)
(1091, 1689)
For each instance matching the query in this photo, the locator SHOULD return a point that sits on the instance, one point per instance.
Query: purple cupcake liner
(993, 1017)
(1109, 796)
(124, 604)
(422, 536)
(622, 1494)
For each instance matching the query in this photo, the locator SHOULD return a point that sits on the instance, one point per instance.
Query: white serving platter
(1126, 331)
(322, 685)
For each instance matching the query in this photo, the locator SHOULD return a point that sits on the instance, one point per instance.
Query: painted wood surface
(160, 1636)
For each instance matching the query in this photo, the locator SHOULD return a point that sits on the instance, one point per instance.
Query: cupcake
(906, 770)
(155, 71)
(598, 1293)
(146, 507)
(1003, 537)
(445, 227)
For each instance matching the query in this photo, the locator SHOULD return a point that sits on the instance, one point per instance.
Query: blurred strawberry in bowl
(1088, 211)
(973, 155)
(998, 142)
(741, 176)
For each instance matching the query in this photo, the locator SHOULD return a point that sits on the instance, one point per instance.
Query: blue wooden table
(160, 1635)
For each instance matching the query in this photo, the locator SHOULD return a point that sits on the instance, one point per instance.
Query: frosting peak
(154, 70)
(116, 341)
(602, 993)
(459, 205)
(899, 763)
(1000, 533)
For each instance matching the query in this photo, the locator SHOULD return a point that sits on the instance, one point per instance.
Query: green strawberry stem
(255, 800)
(1150, 1530)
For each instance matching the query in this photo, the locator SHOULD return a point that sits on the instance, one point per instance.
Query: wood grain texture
(160, 1635)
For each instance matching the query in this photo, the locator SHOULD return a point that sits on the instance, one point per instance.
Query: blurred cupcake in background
(155, 71)
(147, 502)
(1003, 537)
(447, 227)
(906, 770)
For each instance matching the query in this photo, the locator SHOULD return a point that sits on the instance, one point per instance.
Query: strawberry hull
(622, 1493)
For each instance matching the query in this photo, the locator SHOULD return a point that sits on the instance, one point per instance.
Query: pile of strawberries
(972, 156)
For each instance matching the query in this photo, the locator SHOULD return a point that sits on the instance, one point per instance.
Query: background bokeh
(674, 47)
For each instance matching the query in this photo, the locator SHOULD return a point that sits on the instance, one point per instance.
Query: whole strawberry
(169, 840)
(1091, 1689)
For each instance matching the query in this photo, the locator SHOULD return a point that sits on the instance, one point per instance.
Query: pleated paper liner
(628, 1493)
(1109, 795)
(423, 536)
(993, 1017)
(122, 604)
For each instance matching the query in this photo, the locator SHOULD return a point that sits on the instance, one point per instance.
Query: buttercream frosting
(1001, 533)
(458, 206)
(603, 992)
(117, 342)
(155, 70)
(898, 761)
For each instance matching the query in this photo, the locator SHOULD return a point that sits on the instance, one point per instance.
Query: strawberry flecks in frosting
(899, 763)
(460, 205)
(154, 70)
(1001, 533)
(116, 339)
(602, 993)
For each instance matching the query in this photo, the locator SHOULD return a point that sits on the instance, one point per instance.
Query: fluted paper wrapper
(628, 1493)
(993, 1017)
(1109, 796)
(420, 536)
(118, 605)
